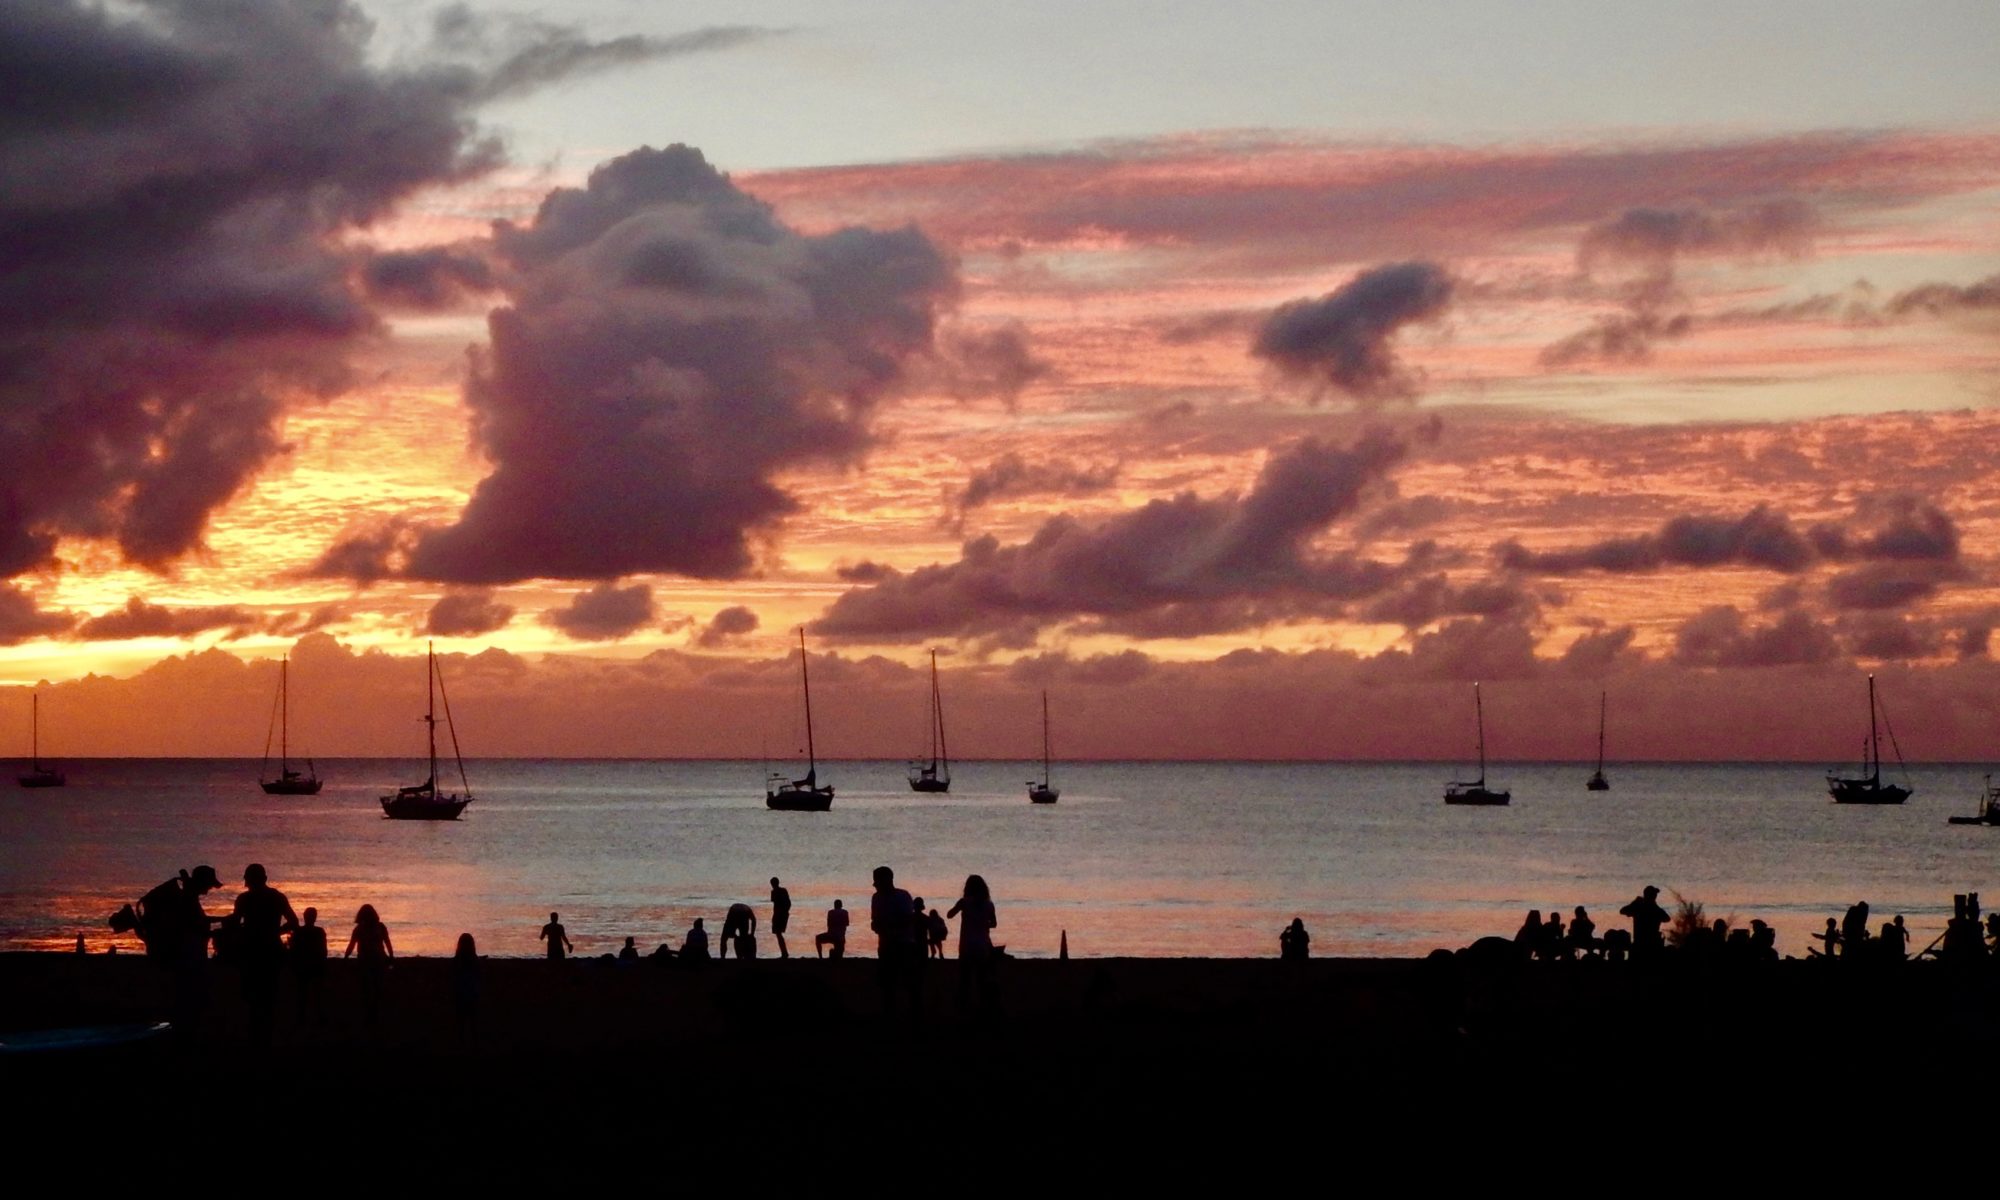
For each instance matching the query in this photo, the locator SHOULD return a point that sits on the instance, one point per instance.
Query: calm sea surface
(1154, 859)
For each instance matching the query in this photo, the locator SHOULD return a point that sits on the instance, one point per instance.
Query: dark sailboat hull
(927, 784)
(798, 799)
(1478, 796)
(423, 808)
(41, 779)
(1865, 791)
(1598, 783)
(1044, 795)
(291, 787)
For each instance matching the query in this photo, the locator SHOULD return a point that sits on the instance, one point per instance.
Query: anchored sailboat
(288, 782)
(801, 795)
(1868, 788)
(1475, 791)
(1989, 807)
(423, 801)
(1044, 792)
(37, 775)
(1598, 783)
(937, 776)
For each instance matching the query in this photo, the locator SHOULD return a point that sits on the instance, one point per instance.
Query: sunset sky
(1252, 378)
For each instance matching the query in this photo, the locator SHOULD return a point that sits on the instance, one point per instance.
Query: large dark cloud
(1761, 537)
(726, 626)
(604, 613)
(1223, 562)
(21, 619)
(1343, 341)
(467, 613)
(1723, 637)
(1643, 247)
(141, 618)
(669, 348)
(1014, 475)
(426, 278)
(1895, 528)
(183, 179)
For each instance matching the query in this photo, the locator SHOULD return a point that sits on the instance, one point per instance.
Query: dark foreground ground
(580, 1068)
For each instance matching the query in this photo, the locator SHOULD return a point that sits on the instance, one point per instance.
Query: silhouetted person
(936, 932)
(977, 920)
(1895, 941)
(919, 934)
(263, 918)
(739, 931)
(1992, 931)
(892, 915)
(694, 947)
(630, 951)
(308, 955)
(1295, 944)
(1647, 918)
(1828, 940)
(1582, 933)
(1763, 942)
(465, 988)
(1854, 933)
(175, 931)
(371, 939)
(836, 932)
(1553, 946)
(781, 915)
(1529, 936)
(558, 938)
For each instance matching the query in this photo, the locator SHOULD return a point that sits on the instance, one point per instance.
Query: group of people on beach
(1547, 940)
(262, 936)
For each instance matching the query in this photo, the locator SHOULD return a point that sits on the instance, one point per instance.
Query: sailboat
(1868, 788)
(423, 801)
(1475, 791)
(1989, 807)
(288, 781)
(937, 776)
(801, 795)
(1044, 792)
(39, 775)
(1598, 783)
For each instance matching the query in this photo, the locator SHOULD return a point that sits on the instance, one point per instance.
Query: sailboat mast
(1479, 719)
(941, 753)
(1600, 731)
(805, 682)
(1045, 739)
(1874, 748)
(430, 708)
(35, 729)
(284, 716)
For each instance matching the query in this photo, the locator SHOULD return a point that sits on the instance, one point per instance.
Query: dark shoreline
(1202, 1048)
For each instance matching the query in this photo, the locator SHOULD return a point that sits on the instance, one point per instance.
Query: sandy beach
(797, 1058)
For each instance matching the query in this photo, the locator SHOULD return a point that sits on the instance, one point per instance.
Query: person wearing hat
(1647, 917)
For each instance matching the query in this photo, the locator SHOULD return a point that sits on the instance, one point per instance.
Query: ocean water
(1150, 859)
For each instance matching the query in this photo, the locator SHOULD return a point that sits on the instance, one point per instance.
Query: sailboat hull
(291, 787)
(930, 784)
(424, 808)
(1477, 796)
(798, 799)
(41, 779)
(1044, 795)
(1864, 791)
(1598, 783)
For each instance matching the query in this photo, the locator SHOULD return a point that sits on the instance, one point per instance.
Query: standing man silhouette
(781, 915)
(558, 939)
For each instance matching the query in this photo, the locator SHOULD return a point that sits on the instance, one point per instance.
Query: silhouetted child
(308, 953)
(630, 952)
(1583, 933)
(1895, 941)
(1854, 932)
(1554, 947)
(465, 988)
(1827, 940)
(694, 947)
(934, 925)
(836, 932)
(371, 938)
(557, 938)
(1529, 936)
(1295, 944)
